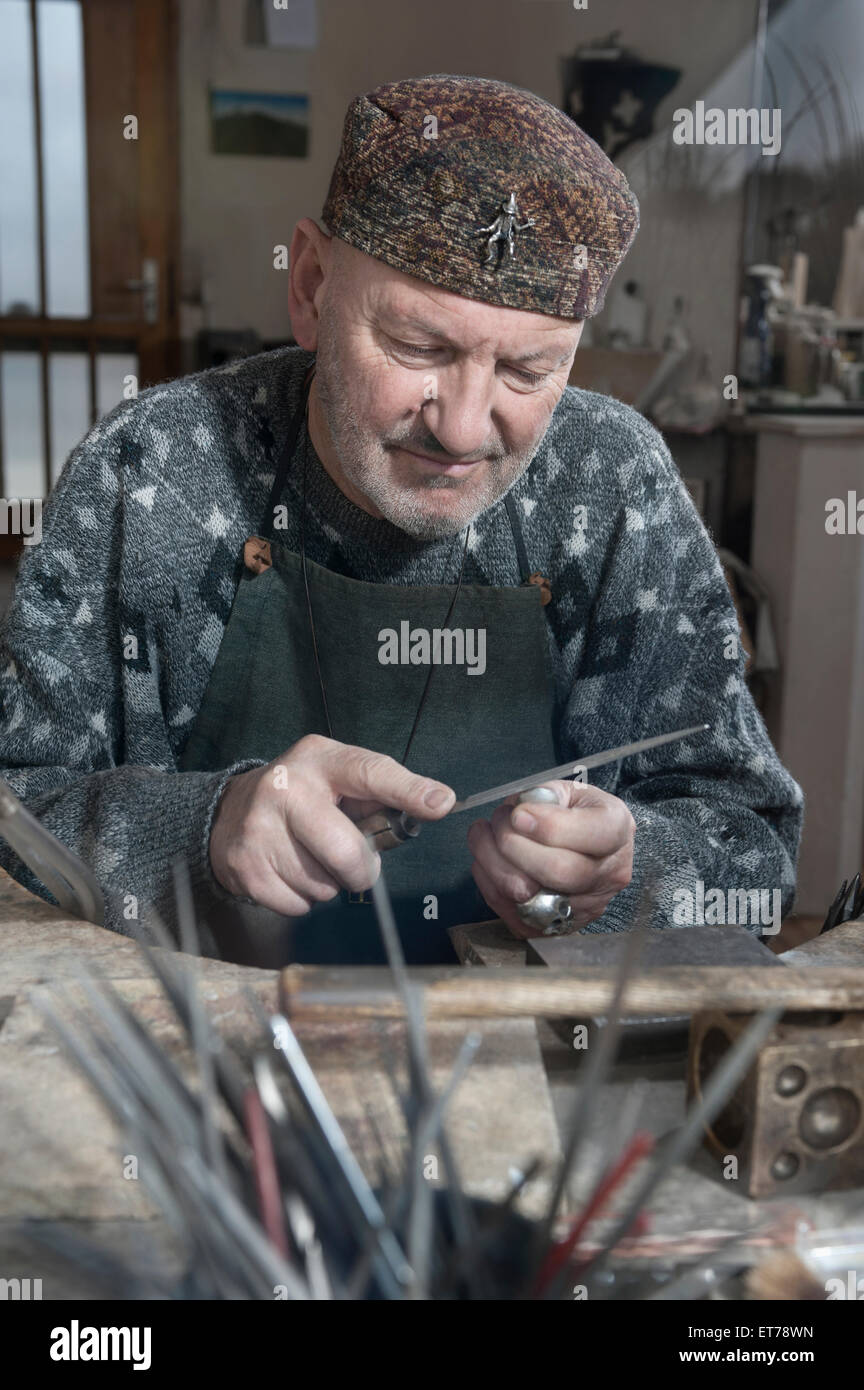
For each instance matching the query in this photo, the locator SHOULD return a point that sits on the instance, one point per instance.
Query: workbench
(61, 1157)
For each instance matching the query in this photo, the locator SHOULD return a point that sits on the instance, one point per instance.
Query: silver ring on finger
(550, 912)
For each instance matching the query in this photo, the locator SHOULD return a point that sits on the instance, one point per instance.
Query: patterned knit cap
(484, 189)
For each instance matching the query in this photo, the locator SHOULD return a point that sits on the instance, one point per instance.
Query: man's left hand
(581, 848)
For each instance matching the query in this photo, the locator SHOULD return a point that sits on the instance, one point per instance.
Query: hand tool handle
(387, 828)
(548, 911)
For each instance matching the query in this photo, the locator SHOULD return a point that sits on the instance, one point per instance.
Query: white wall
(235, 208)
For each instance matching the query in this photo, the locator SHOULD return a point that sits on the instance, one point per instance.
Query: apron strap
(518, 538)
(265, 529)
(527, 575)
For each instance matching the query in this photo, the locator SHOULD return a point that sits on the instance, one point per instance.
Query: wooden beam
(36, 328)
(327, 994)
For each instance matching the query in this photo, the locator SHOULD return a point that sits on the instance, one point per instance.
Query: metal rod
(568, 769)
(319, 1110)
(720, 1086)
(200, 1028)
(600, 1060)
(67, 877)
(420, 1221)
(464, 1225)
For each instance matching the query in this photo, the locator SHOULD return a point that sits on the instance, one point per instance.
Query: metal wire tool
(74, 886)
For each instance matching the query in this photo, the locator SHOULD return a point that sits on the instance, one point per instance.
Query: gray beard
(404, 508)
(400, 506)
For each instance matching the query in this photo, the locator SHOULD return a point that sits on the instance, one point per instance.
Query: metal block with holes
(796, 1121)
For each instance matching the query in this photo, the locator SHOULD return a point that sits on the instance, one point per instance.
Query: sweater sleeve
(718, 817)
(64, 748)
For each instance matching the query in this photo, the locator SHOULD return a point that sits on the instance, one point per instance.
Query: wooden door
(88, 223)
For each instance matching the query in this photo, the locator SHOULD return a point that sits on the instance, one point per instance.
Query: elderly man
(397, 562)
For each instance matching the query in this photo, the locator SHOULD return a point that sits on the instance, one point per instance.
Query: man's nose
(460, 413)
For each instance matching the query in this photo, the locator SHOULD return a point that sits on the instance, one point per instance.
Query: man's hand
(284, 836)
(582, 848)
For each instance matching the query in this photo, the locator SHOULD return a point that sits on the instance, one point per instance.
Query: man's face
(427, 406)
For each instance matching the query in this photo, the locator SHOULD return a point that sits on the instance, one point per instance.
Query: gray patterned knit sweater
(141, 540)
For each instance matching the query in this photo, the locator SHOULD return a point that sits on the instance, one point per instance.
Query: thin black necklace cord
(428, 682)
(306, 580)
(432, 667)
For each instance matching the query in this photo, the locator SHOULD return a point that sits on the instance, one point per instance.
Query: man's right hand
(284, 835)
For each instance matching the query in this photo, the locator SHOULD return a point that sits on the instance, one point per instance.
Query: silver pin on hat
(502, 232)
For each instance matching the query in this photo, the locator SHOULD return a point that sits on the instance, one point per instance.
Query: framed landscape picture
(269, 123)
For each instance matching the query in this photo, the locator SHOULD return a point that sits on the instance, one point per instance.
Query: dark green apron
(474, 731)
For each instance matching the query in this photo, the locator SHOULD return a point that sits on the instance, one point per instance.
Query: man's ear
(309, 261)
